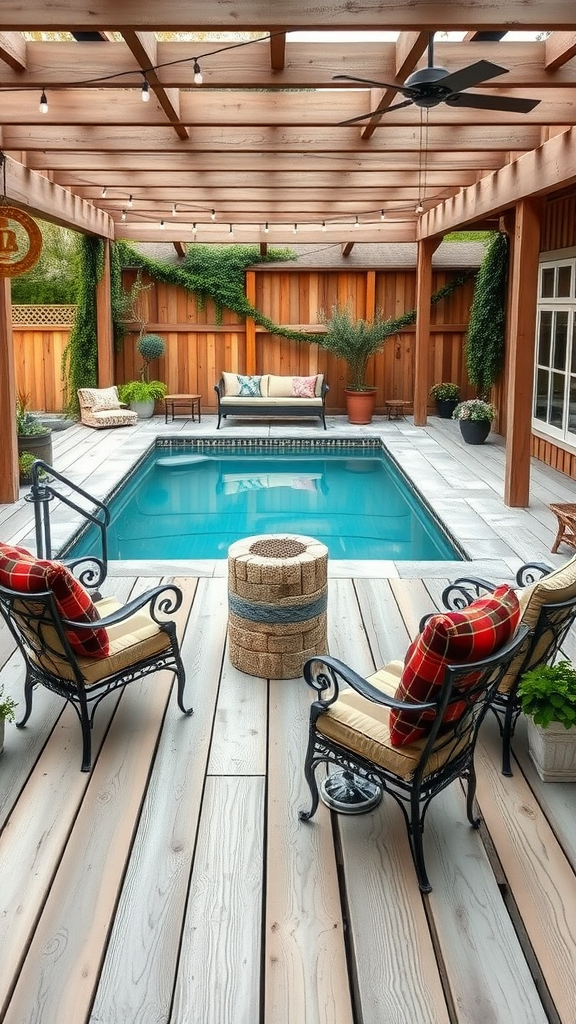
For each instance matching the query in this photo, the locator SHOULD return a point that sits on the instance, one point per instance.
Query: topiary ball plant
(150, 346)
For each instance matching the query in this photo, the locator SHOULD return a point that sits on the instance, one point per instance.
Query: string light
(43, 103)
(194, 229)
(145, 91)
(197, 73)
(295, 229)
(104, 191)
(173, 209)
(231, 231)
(129, 203)
(123, 214)
(323, 225)
(266, 229)
(162, 225)
(357, 222)
(382, 215)
(213, 215)
(419, 208)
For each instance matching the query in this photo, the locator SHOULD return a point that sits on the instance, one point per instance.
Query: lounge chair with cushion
(101, 407)
(547, 599)
(410, 729)
(83, 649)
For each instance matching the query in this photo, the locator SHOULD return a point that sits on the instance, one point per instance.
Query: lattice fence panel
(42, 316)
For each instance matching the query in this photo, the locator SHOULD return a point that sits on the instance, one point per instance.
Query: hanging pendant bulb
(129, 203)
(266, 228)
(231, 231)
(123, 215)
(213, 215)
(173, 209)
(145, 91)
(382, 214)
(43, 103)
(194, 230)
(104, 191)
(162, 225)
(357, 222)
(295, 229)
(323, 225)
(419, 208)
(197, 74)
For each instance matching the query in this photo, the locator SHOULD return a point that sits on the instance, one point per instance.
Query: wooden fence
(199, 348)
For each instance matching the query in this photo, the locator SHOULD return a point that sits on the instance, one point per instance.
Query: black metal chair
(349, 730)
(141, 641)
(549, 624)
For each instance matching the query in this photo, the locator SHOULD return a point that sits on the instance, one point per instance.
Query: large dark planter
(445, 407)
(475, 431)
(360, 405)
(39, 445)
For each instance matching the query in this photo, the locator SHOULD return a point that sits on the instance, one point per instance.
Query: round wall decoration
(15, 257)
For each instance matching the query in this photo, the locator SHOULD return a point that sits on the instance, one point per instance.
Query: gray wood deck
(175, 882)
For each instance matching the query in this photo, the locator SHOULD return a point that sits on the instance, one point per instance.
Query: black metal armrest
(464, 590)
(92, 575)
(219, 390)
(323, 674)
(530, 572)
(163, 600)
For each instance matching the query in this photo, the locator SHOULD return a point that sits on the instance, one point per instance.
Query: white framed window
(554, 409)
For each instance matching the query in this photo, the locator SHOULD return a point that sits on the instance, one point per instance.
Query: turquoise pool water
(192, 502)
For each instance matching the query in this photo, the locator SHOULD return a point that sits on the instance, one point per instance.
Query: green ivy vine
(79, 360)
(484, 345)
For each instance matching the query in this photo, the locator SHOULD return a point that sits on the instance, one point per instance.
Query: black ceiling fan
(433, 85)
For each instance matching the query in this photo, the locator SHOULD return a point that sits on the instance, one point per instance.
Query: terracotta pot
(475, 431)
(360, 405)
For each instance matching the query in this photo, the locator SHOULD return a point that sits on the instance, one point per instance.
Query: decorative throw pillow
(450, 638)
(20, 571)
(249, 387)
(102, 399)
(304, 387)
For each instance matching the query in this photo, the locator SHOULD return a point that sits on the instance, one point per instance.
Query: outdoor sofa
(270, 395)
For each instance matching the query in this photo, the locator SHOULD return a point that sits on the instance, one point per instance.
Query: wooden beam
(253, 15)
(180, 248)
(250, 284)
(13, 50)
(277, 49)
(144, 47)
(39, 197)
(409, 48)
(547, 169)
(560, 48)
(9, 481)
(521, 350)
(279, 234)
(426, 249)
(346, 248)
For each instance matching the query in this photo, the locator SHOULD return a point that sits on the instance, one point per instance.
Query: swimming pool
(191, 501)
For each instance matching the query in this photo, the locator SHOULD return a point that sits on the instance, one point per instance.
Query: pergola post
(9, 476)
(104, 324)
(426, 249)
(521, 351)
(250, 343)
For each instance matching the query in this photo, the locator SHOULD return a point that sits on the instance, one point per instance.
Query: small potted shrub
(141, 394)
(355, 340)
(7, 706)
(447, 397)
(547, 697)
(475, 417)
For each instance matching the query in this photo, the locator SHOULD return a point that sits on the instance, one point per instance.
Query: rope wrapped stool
(277, 598)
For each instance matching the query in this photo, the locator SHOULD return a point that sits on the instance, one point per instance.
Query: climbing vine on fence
(487, 323)
(79, 360)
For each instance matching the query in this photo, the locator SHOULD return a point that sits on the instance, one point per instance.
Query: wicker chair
(548, 604)
(350, 729)
(101, 407)
(137, 639)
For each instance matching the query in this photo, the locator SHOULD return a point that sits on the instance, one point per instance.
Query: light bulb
(145, 91)
(213, 215)
(43, 103)
(197, 74)
(381, 214)
(129, 203)
(173, 209)
(266, 228)
(162, 224)
(231, 231)
(123, 214)
(194, 229)
(357, 222)
(419, 208)
(295, 229)
(104, 191)
(323, 225)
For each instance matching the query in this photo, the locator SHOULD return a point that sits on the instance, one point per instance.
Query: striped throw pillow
(450, 638)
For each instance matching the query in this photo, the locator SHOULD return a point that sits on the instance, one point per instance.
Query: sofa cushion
(470, 634)
(21, 571)
(249, 387)
(231, 385)
(101, 399)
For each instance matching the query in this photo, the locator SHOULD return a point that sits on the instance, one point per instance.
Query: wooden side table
(171, 402)
(396, 407)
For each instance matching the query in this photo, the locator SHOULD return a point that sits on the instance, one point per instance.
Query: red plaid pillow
(451, 638)
(19, 570)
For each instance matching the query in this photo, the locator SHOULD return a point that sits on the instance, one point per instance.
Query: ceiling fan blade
(383, 110)
(481, 71)
(514, 104)
(397, 86)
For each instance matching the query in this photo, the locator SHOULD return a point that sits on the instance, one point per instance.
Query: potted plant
(475, 417)
(447, 397)
(547, 697)
(7, 706)
(355, 340)
(141, 394)
(33, 437)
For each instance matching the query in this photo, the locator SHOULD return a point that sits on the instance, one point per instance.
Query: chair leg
(416, 835)
(470, 795)
(310, 776)
(507, 733)
(181, 682)
(86, 739)
(28, 688)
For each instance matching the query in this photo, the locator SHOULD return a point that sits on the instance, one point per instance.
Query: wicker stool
(277, 597)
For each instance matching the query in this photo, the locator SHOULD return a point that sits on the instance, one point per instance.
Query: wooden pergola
(257, 151)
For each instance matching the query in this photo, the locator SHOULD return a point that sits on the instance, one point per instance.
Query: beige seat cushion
(557, 586)
(135, 639)
(99, 399)
(363, 727)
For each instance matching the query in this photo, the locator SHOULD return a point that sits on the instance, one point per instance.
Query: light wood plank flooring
(175, 882)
